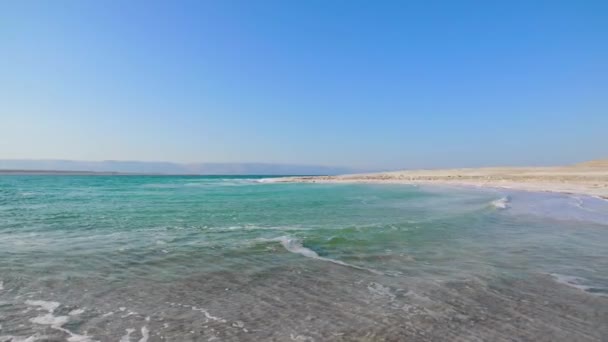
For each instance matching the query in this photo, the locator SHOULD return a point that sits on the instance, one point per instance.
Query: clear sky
(367, 84)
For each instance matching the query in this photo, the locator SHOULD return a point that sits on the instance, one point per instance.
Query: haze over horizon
(172, 168)
(354, 85)
(206, 168)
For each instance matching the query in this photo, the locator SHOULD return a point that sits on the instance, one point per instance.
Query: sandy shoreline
(589, 178)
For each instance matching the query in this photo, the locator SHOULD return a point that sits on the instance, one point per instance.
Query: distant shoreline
(587, 178)
(71, 173)
(6, 172)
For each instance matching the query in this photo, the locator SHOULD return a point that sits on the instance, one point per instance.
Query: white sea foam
(159, 186)
(130, 313)
(578, 202)
(572, 281)
(294, 245)
(208, 315)
(301, 338)
(501, 203)
(581, 284)
(27, 193)
(380, 291)
(591, 204)
(46, 305)
(32, 338)
(266, 180)
(145, 334)
(76, 312)
(50, 319)
(55, 322)
(219, 182)
(127, 337)
(561, 207)
(254, 227)
(196, 184)
(77, 338)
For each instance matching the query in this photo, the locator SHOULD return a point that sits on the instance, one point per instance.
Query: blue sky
(366, 84)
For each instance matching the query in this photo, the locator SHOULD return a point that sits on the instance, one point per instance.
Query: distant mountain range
(170, 168)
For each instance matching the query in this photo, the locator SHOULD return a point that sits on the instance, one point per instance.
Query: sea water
(193, 258)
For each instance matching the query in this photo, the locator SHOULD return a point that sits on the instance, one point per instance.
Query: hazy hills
(170, 168)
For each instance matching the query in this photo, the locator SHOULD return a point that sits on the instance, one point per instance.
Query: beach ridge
(590, 178)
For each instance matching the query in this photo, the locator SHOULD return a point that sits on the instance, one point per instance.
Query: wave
(204, 183)
(266, 180)
(160, 186)
(579, 203)
(560, 207)
(254, 227)
(55, 322)
(296, 246)
(592, 204)
(238, 181)
(501, 203)
(578, 283)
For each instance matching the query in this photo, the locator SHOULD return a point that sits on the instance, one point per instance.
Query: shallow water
(155, 258)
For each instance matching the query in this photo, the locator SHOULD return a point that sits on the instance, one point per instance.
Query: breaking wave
(296, 246)
(501, 203)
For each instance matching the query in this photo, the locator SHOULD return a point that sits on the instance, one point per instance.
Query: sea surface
(217, 258)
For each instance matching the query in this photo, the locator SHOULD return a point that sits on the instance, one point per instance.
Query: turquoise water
(188, 258)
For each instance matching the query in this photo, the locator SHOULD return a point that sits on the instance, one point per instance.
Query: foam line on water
(266, 180)
(253, 227)
(55, 322)
(208, 315)
(296, 246)
(578, 283)
(571, 281)
(11, 338)
(127, 337)
(43, 304)
(145, 334)
(76, 312)
(501, 203)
